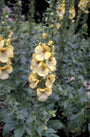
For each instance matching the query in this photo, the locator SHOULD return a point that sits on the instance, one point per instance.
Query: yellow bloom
(6, 53)
(33, 84)
(45, 128)
(61, 12)
(33, 80)
(51, 63)
(51, 26)
(71, 12)
(43, 70)
(11, 47)
(83, 4)
(8, 41)
(50, 43)
(86, 11)
(5, 71)
(58, 25)
(73, 21)
(43, 93)
(50, 80)
(32, 77)
(35, 65)
(9, 52)
(44, 35)
(42, 52)
(10, 34)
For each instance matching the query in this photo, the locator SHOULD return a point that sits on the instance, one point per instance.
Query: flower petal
(43, 70)
(47, 55)
(3, 57)
(3, 75)
(43, 97)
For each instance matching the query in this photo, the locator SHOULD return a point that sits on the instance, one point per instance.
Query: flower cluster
(72, 12)
(6, 53)
(61, 10)
(83, 4)
(42, 66)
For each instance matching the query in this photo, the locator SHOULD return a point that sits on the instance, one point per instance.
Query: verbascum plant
(6, 53)
(42, 65)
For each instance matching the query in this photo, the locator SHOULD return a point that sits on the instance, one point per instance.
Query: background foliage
(66, 112)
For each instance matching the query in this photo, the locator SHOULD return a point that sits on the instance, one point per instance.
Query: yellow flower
(51, 26)
(73, 21)
(83, 4)
(42, 52)
(50, 80)
(44, 35)
(86, 11)
(8, 42)
(35, 65)
(32, 77)
(45, 128)
(5, 71)
(43, 70)
(43, 93)
(33, 84)
(51, 63)
(10, 34)
(71, 12)
(58, 25)
(33, 80)
(61, 12)
(50, 43)
(9, 51)
(6, 53)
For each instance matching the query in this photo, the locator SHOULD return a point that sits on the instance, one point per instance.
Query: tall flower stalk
(42, 67)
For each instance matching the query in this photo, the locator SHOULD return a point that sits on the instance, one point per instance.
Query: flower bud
(44, 35)
(45, 128)
(58, 25)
